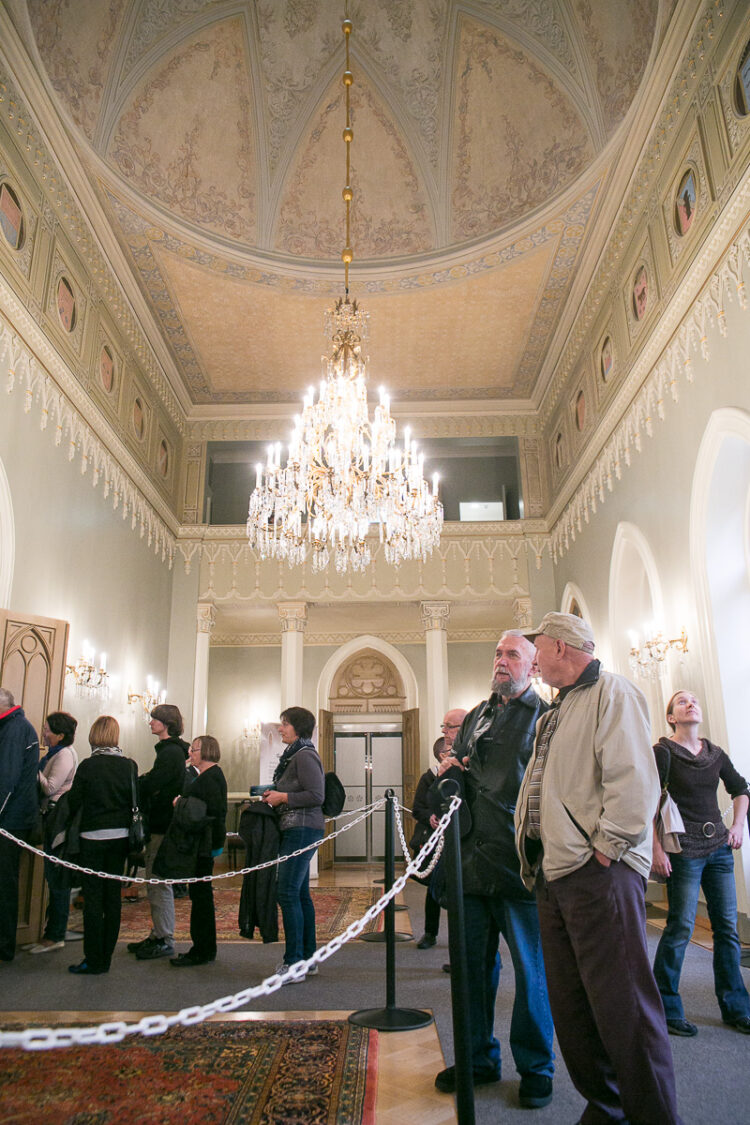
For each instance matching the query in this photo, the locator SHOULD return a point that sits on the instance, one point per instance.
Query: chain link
(43, 1039)
(153, 880)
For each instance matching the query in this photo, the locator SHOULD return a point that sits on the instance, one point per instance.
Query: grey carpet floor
(713, 1071)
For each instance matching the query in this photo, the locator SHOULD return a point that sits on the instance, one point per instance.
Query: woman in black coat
(102, 790)
(426, 823)
(209, 786)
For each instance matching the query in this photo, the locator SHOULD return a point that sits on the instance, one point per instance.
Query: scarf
(288, 754)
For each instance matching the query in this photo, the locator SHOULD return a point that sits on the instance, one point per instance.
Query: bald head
(452, 724)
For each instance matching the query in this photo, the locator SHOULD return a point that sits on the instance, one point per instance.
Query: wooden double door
(32, 667)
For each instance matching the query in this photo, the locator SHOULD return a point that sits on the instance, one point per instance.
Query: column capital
(206, 616)
(522, 613)
(293, 616)
(435, 615)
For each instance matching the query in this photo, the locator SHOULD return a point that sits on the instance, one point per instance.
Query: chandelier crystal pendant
(344, 472)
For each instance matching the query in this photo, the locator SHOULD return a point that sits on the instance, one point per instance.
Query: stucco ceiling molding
(406, 637)
(55, 187)
(645, 180)
(661, 372)
(423, 426)
(72, 429)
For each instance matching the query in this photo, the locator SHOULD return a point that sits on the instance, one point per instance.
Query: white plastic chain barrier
(44, 1038)
(366, 811)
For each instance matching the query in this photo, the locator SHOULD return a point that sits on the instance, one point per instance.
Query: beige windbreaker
(600, 785)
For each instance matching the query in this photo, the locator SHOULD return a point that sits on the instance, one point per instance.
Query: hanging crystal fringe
(344, 472)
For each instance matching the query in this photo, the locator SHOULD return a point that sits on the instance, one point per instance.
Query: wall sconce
(648, 660)
(87, 678)
(149, 698)
(251, 730)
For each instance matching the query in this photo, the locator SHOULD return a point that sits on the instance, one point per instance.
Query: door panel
(351, 767)
(412, 770)
(32, 666)
(386, 774)
(325, 749)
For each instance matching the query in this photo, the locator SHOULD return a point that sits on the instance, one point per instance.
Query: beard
(506, 686)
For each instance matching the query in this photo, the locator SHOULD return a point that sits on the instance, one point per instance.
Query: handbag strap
(665, 782)
(133, 791)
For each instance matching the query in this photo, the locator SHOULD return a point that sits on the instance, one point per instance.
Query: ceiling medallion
(344, 472)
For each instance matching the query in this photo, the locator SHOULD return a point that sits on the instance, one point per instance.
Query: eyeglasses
(449, 726)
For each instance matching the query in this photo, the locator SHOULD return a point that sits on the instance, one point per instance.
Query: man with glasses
(493, 748)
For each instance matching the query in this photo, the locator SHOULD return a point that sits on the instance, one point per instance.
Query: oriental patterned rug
(335, 909)
(249, 1073)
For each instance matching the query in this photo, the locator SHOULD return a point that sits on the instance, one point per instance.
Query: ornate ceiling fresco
(484, 134)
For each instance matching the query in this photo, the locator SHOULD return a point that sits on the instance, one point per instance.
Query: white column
(206, 619)
(435, 621)
(293, 621)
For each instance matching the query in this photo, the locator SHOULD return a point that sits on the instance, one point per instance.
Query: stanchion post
(390, 1018)
(449, 788)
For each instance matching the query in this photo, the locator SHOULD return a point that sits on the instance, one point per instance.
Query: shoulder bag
(669, 821)
(137, 830)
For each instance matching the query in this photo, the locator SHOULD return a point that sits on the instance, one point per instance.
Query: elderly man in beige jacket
(583, 833)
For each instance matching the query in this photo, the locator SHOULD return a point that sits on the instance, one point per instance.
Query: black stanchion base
(382, 936)
(391, 1019)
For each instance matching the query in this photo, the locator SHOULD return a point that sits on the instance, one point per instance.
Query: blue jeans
(715, 874)
(531, 1023)
(58, 903)
(293, 893)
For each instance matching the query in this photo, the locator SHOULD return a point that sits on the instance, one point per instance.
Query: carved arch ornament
(367, 683)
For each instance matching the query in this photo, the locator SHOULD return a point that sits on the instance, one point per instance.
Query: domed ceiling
(484, 132)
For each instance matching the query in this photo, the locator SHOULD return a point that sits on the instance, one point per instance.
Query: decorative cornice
(335, 640)
(56, 191)
(649, 168)
(424, 424)
(61, 399)
(697, 307)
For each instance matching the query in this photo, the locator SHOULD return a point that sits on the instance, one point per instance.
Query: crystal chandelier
(649, 659)
(344, 472)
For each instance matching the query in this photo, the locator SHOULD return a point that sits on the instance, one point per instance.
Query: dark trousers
(607, 1009)
(101, 900)
(202, 913)
(431, 914)
(10, 861)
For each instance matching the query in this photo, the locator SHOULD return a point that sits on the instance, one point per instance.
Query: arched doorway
(720, 564)
(635, 608)
(368, 733)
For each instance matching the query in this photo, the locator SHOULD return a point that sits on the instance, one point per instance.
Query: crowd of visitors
(560, 833)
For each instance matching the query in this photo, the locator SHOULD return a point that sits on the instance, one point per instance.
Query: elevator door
(367, 763)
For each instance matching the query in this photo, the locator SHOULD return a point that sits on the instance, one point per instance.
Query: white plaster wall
(78, 560)
(654, 494)
(470, 672)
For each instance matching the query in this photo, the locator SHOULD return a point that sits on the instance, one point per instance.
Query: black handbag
(137, 830)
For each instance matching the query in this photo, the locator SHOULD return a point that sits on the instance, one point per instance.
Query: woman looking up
(298, 791)
(693, 767)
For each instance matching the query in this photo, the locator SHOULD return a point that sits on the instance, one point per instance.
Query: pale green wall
(78, 560)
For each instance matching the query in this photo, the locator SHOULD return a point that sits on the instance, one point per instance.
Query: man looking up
(493, 747)
(583, 831)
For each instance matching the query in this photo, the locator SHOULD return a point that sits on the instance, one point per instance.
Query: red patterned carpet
(335, 909)
(253, 1073)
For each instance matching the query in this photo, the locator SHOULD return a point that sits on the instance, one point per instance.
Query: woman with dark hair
(56, 772)
(157, 791)
(692, 768)
(298, 791)
(210, 787)
(102, 790)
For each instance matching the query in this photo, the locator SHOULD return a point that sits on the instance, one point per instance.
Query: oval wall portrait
(606, 358)
(11, 217)
(66, 304)
(640, 293)
(742, 83)
(162, 459)
(107, 368)
(686, 203)
(139, 419)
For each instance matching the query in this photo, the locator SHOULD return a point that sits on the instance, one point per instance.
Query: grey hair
(6, 699)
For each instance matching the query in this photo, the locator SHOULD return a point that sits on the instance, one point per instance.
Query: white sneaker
(282, 968)
(312, 971)
(41, 947)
